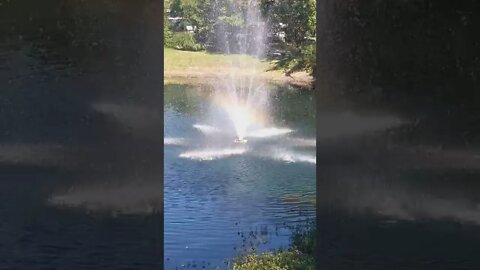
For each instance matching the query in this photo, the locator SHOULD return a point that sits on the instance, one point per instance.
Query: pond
(220, 204)
(395, 190)
(79, 173)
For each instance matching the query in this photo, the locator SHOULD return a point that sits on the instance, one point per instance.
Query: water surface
(395, 191)
(216, 196)
(80, 187)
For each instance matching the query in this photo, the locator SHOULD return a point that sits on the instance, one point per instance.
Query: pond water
(80, 143)
(395, 191)
(220, 203)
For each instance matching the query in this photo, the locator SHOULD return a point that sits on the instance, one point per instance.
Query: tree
(176, 9)
(167, 32)
(312, 18)
(225, 25)
(295, 15)
(297, 19)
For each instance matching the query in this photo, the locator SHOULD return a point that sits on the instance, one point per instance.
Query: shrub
(168, 38)
(185, 41)
(281, 260)
(304, 236)
(300, 256)
(309, 56)
(167, 34)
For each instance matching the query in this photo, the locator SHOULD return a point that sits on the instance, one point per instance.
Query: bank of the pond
(300, 255)
(179, 65)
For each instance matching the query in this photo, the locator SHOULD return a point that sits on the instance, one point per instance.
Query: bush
(298, 59)
(185, 41)
(167, 34)
(282, 260)
(304, 237)
(300, 256)
(168, 38)
(309, 56)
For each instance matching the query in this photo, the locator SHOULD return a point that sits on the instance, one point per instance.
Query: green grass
(176, 60)
(184, 41)
(203, 66)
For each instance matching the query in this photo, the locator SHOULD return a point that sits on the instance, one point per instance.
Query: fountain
(241, 93)
(239, 120)
(240, 140)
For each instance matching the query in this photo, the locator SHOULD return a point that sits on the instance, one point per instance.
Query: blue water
(211, 206)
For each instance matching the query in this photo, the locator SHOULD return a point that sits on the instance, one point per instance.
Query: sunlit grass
(203, 65)
(176, 60)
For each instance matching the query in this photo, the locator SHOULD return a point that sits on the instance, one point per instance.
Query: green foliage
(185, 41)
(300, 19)
(300, 256)
(283, 260)
(233, 20)
(298, 59)
(220, 20)
(193, 11)
(176, 8)
(304, 238)
(312, 17)
(293, 13)
(310, 57)
(167, 34)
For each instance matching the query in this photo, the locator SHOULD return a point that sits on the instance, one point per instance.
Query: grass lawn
(176, 60)
(185, 64)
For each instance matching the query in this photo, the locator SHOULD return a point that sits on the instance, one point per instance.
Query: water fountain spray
(242, 93)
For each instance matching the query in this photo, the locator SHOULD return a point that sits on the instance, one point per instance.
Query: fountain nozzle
(238, 140)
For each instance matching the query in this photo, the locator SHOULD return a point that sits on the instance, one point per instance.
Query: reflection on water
(211, 154)
(79, 164)
(391, 195)
(223, 198)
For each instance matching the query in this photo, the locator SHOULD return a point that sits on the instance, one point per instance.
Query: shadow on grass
(293, 59)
